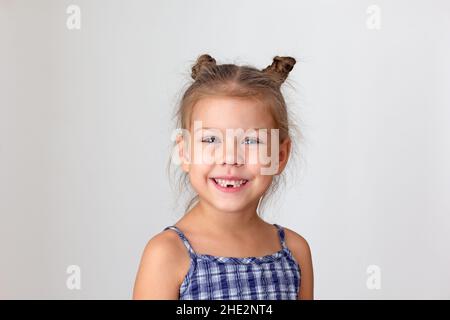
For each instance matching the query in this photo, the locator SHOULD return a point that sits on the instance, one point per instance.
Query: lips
(229, 178)
(229, 183)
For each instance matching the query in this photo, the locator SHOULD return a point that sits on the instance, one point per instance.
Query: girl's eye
(214, 139)
(211, 139)
(251, 140)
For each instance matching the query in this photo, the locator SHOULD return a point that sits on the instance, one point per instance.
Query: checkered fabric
(271, 277)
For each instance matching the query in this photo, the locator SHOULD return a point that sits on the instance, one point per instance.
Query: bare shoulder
(302, 254)
(165, 247)
(162, 267)
(296, 243)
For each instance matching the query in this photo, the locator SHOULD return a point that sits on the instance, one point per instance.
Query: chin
(228, 207)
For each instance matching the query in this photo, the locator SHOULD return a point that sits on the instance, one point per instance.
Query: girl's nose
(232, 154)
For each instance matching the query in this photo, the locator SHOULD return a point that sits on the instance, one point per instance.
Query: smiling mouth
(229, 183)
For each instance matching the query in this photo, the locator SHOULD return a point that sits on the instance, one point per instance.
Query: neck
(228, 222)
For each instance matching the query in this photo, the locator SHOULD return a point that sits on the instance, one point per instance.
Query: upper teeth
(234, 183)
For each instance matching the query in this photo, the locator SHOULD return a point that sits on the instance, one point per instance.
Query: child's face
(222, 144)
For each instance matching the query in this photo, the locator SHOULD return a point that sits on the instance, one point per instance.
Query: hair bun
(202, 61)
(280, 68)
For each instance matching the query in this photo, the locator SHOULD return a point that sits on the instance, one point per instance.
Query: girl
(221, 248)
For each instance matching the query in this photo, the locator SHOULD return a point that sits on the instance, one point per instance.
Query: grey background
(85, 136)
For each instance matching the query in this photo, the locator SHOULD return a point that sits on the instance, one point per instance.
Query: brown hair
(212, 79)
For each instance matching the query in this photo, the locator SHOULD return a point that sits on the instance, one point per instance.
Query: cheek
(198, 174)
(253, 156)
(259, 156)
(265, 180)
(261, 179)
(203, 154)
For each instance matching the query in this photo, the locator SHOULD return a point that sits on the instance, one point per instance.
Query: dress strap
(184, 239)
(281, 235)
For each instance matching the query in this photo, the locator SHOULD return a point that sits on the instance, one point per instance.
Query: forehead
(231, 112)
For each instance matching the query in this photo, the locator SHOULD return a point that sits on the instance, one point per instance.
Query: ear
(283, 156)
(183, 153)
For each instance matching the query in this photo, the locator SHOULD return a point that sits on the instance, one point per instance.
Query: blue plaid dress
(271, 277)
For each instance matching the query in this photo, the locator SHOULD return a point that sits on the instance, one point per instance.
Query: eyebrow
(230, 128)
